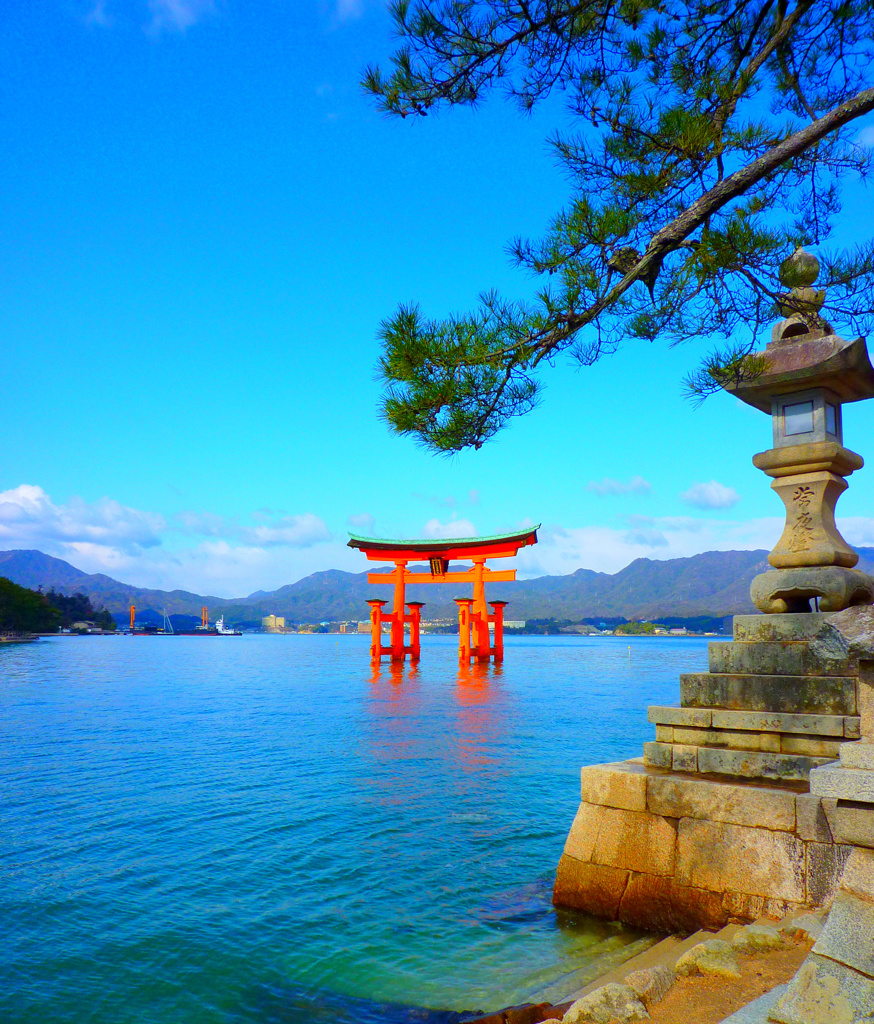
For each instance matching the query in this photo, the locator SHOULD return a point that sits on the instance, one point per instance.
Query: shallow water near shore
(264, 828)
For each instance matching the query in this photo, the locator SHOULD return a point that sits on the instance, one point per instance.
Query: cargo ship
(204, 629)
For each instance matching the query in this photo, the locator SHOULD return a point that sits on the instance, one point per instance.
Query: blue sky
(202, 223)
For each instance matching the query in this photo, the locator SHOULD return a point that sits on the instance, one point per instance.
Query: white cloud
(607, 549)
(473, 497)
(636, 485)
(294, 531)
(454, 528)
(178, 15)
(363, 524)
(206, 524)
(710, 495)
(866, 136)
(29, 518)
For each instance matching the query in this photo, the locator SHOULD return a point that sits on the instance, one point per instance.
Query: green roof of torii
(439, 543)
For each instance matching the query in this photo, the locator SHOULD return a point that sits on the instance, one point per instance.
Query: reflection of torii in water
(473, 614)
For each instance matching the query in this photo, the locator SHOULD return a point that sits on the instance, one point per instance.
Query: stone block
(828, 807)
(720, 857)
(811, 822)
(591, 888)
(713, 957)
(756, 938)
(852, 727)
(792, 658)
(753, 765)
(635, 841)
(857, 755)
(580, 842)
(858, 876)
(779, 628)
(806, 926)
(824, 867)
(622, 785)
(684, 758)
(728, 738)
(814, 695)
(657, 755)
(741, 907)
(800, 725)
(698, 718)
(811, 746)
(848, 935)
(652, 984)
(735, 804)
(609, 1004)
(664, 733)
(657, 903)
(866, 700)
(854, 823)
(840, 783)
(824, 992)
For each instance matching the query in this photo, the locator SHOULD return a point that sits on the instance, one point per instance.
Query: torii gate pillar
(474, 619)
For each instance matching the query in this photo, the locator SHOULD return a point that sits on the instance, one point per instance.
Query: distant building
(364, 627)
(273, 623)
(515, 623)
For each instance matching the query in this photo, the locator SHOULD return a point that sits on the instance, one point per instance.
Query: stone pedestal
(836, 981)
(717, 822)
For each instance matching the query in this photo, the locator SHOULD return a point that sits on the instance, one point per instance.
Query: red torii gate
(473, 615)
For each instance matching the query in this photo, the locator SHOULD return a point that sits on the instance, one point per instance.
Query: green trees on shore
(26, 611)
(32, 611)
(78, 608)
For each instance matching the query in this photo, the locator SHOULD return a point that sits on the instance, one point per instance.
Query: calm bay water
(264, 828)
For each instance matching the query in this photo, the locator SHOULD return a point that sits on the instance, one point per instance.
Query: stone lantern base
(791, 590)
(716, 823)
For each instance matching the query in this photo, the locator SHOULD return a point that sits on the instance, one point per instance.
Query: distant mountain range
(713, 583)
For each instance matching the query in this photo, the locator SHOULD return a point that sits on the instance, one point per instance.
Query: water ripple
(265, 829)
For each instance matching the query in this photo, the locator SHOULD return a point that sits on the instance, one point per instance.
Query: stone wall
(716, 823)
(667, 851)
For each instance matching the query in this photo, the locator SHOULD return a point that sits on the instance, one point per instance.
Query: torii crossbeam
(473, 614)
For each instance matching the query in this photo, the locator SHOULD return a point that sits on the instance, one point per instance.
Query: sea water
(266, 828)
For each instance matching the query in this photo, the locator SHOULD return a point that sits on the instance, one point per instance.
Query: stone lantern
(809, 374)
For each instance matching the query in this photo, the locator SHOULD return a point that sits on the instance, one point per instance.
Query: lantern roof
(827, 361)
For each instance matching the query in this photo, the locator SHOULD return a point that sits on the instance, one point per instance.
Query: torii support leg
(376, 618)
(480, 614)
(498, 619)
(414, 619)
(397, 616)
(464, 604)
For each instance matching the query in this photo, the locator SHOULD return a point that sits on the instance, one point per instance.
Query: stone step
(839, 783)
(817, 695)
(758, 1011)
(779, 628)
(769, 742)
(857, 755)
(836, 726)
(793, 658)
(633, 786)
(743, 763)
